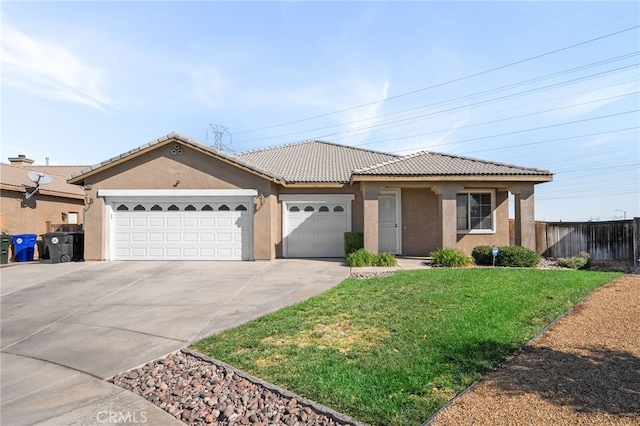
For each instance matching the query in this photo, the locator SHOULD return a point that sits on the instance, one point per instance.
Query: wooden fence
(614, 240)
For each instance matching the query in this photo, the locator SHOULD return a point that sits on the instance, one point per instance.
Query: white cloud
(48, 69)
(590, 100)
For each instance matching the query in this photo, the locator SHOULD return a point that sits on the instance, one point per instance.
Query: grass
(392, 351)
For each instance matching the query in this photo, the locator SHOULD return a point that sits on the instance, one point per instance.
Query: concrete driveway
(66, 327)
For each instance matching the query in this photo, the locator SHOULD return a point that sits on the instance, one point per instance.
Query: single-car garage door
(314, 226)
(189, 229)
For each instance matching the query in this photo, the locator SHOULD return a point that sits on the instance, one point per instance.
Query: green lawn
(392, 351)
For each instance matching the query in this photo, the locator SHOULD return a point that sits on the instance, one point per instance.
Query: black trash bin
(60, 246)
(6, 243)
(78, 247)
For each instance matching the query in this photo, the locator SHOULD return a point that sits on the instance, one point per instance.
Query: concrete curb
(280, 391)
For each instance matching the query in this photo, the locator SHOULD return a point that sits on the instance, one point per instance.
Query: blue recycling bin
(24, 245)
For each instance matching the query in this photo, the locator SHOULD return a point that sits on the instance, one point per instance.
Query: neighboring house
(55, 203)
(175, 198)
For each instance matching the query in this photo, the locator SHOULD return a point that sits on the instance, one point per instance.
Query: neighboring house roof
(58, 170)
(315, 161)
(80, 175)
(428, 163)
(14, 178)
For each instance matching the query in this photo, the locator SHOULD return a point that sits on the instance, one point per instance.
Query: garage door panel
(318, 233)
(173, 221)
(156, 222)
(174, 235)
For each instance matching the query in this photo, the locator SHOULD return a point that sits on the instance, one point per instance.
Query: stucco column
(525, 229)
(448, 224)
(370, 194)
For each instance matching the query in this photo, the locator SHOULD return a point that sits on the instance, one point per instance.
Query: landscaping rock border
(199, 390)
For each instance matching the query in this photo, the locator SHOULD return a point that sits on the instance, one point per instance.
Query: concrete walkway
(68, 326)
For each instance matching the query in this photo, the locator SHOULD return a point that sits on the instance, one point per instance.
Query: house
(54, 204)
(175, 198)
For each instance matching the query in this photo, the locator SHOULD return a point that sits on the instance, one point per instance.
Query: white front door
(389, 223)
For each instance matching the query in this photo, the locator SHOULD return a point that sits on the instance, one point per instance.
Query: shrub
(517, 257)
(353, 241)
(450, 257)
(581, 261)
(482, 255)
(359, 258)
(386, 259)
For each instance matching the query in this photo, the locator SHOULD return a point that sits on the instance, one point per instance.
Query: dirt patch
(343, 336)
(585, 369)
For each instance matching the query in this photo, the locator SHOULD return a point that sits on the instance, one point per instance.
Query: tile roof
(14, 178)
(182, 139)
(428, 163)
(315, 161)
(326, 162)
(57, 170)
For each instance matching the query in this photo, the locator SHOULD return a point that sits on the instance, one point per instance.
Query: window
(241, 208)
(474, 212)
(294, 209)
(338, 209)
(189, 208)
(173, 207)
(323, 209)
(122, 207)
(139, 207)
(309, 209)
(224, 207)
(207, 207)
(156, 208)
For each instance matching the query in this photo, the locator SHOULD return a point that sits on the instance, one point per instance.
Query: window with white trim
(474, 211)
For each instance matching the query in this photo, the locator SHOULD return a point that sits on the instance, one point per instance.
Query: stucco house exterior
(55, 203)
(175, 198)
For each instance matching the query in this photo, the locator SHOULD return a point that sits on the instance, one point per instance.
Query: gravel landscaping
(583, 370)
(200, 391)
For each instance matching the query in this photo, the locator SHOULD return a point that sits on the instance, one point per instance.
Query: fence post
(636, 243)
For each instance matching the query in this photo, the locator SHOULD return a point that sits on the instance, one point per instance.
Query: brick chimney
(20, 161)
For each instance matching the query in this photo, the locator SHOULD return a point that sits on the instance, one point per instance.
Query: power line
(447, 82)
(471, 96)
(522, 131)
(474, 95)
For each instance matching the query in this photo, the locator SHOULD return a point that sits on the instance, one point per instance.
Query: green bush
(386, 259)
(362, 258)
(449, 257)
(482, 255)
(517, 257)
(353, 241)
(359, 258)
(581, 261)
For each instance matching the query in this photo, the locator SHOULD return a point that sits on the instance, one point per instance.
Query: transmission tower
(220, 133)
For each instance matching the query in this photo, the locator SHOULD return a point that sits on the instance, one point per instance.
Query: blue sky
(551, 85)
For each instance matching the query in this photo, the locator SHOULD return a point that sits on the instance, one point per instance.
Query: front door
(388, 223)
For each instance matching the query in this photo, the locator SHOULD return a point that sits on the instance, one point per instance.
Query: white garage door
(315, 228)
(145, 228)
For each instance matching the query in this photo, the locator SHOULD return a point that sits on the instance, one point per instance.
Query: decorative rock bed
(202, 391)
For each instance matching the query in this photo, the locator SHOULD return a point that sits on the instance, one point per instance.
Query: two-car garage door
(181, 228)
